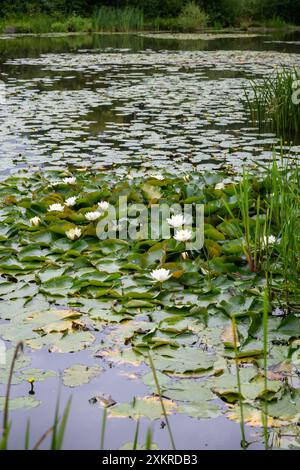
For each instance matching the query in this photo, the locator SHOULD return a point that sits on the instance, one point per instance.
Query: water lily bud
(35, 221)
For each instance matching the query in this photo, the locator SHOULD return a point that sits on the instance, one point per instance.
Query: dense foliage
(225, 12)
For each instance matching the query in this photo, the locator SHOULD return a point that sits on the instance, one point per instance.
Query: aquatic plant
(160, 275)
(250, 227)
(118, 19)
(272, 103)
(6, 424)
(161, 402)
(192, 17)
(183, 235)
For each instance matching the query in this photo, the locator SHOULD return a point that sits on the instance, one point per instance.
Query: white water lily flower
(35, 221)
(160, 275)
(71, 201)
(183, 235)
(70, 180)
(103, 205)
(220, 186)
(56, 207)
(176, 221)
(157, 176)
(92, 215)
(270, 240)
(54, 183)
(73, 233)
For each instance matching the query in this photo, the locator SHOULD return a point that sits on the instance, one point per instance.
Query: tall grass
(269, 212)
(45, 24)
(118, 19)
(265, 340)
(284, 214)
(244, 443)
(6, 424)
(272, 103)
(161, 401)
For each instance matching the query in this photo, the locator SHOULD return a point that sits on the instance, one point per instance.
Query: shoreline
(209, 33)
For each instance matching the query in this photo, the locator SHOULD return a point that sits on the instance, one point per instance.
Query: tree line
(218, 11)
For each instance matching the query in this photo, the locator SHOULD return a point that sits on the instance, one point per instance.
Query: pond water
(100, 100)
(124, 102)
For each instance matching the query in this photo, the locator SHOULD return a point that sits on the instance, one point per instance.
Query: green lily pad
(79, 374)
(19, 403)
(147, 407)
(184, 360)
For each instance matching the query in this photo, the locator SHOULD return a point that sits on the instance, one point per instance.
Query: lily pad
(79, 374)
(147, 407)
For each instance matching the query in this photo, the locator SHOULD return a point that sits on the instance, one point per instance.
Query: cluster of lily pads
(61, 287)
(108, 106)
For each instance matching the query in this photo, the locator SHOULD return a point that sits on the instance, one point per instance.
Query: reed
(118, 19)
(244, 443)
(273, 103)
(265, 344)
(161, 401)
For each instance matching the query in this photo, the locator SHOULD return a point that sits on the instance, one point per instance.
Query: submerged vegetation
(275, 103)
(206, 311)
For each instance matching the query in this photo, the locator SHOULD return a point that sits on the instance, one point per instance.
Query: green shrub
(58, 27)
(275, 22)
(37, 24)
(192, 17)
(165, 24)
(77, 23)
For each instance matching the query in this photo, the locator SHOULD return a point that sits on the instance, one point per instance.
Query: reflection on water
(85, 419)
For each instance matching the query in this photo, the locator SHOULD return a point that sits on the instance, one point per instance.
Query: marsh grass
(45, 24)
(118, 19)
(270, 228)
(265, 349)
(161, 401)
(6, 424)
(103, 428)
(244, 443)
(59, 426)
(272, 105)
(283, 214)
(136, 435)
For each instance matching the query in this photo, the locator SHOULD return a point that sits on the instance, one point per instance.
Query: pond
(98, 101)
(124, 106)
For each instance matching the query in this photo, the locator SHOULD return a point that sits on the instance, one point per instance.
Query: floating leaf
(79, 374)
(147, 407)
(19, 403)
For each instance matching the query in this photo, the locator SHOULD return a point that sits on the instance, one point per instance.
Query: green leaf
(79, 374)
(147, 407)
